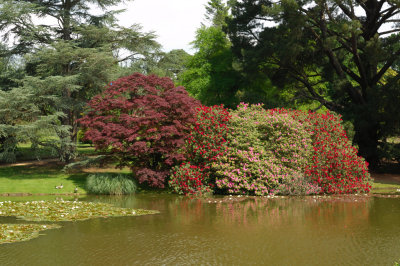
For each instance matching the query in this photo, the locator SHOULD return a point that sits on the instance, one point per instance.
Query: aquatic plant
(110, 184)
(10, 233)
(55, 211)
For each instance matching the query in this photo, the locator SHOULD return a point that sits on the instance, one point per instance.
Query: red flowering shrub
(190, 179)
(142, 121)
(335, 165)
(205, 143)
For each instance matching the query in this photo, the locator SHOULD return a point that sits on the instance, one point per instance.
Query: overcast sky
(173, 21)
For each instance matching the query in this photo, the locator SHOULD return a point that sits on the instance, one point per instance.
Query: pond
(355, 230)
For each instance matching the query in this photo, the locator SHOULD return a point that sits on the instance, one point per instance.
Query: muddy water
(224, 231)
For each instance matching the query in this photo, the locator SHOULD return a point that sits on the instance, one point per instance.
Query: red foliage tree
(143, 121)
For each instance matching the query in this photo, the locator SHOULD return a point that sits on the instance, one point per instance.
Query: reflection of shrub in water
(297, 186)
(308, 211)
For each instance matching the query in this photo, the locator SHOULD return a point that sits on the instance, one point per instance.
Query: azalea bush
(205, 143)
(264, 151)
(143, 122)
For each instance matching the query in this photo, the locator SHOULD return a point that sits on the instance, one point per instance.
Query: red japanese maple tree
(142, 121)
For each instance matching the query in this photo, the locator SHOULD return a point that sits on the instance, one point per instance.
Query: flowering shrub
(143, 122)
(253, 151)
(190, 179)
(264, 150)
(334, 165)
(206, 142)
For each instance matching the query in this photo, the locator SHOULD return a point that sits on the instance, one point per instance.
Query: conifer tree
(70, 60)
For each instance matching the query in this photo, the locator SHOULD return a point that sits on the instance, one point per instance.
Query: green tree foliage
(210, 76)
(72, 59)
(333, 52)
(216, 12)
(170, 64)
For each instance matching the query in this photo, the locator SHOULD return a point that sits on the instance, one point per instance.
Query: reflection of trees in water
(340, 211)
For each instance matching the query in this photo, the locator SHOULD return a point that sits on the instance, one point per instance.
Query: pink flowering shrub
(297, 186)
(264, 151)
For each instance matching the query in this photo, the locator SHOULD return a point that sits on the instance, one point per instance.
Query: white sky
(173, 21)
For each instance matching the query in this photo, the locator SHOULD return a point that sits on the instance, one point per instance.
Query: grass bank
(42, 178)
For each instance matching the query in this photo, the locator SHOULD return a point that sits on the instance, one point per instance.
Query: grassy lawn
(44, 178)
(385, 188)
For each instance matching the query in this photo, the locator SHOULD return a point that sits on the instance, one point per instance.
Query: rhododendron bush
(335, 165)
(265, 150)
(257, 152)
(142, 121)
(206, 142)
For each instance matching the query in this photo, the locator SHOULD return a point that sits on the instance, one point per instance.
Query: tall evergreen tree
(72, 59)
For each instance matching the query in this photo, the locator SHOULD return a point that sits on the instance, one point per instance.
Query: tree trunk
(366, 137)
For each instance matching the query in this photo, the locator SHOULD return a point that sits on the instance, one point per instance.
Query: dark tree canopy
(342, 54)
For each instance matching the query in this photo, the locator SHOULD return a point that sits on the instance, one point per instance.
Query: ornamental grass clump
(264, 151)
(110, 184)
(142, 122)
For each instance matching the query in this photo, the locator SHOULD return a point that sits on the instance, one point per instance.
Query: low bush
(279, 151)
(110, 184)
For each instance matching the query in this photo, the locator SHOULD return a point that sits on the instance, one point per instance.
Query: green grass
(385, 188)
(42, 179)
(37, 179)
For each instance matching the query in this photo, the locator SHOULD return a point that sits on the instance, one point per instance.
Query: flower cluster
(190, 179)
(335, 165)
(205, 143)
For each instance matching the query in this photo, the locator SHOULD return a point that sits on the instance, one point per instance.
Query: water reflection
(356, 230)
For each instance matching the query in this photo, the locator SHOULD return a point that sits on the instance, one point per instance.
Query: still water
(223, 231)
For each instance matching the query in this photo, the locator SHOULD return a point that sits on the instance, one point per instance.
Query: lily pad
(56, 211)
(10, 233)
